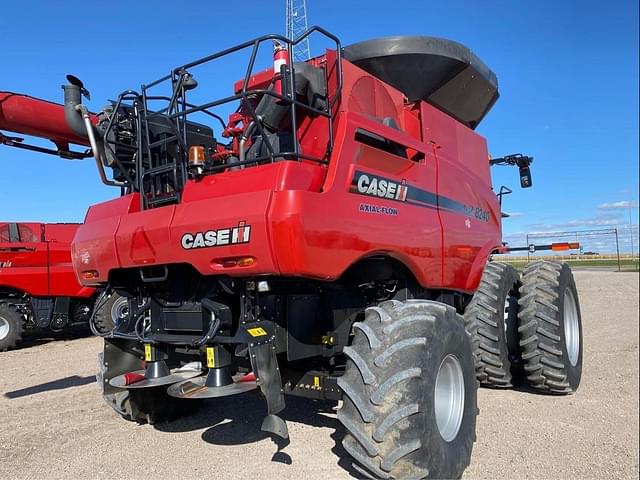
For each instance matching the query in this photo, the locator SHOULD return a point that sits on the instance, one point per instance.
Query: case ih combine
(332, 240)
(38, 288)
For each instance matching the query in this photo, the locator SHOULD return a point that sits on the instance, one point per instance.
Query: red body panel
(463, 174)
(38, 263)
(440, 218)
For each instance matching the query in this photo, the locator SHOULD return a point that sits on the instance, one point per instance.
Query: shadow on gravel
(60, 384)
(236, 420)
(522, 387)
(533, 391)
(34, 339)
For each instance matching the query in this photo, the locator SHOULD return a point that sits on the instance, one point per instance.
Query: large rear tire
(409, 392)
(550, 328)
(11, 325)
(491, 320)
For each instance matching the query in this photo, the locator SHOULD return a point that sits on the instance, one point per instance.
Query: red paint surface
(304, 221)
(40, 264)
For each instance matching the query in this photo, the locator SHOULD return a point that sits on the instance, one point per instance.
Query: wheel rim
(4, 328)
(119, 310)
(571, 327)
(449, 397)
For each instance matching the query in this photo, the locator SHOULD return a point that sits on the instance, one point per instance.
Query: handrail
(178, 109)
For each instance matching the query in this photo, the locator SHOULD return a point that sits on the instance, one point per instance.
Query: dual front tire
(491, 320)
(550, 328)
(527, 329)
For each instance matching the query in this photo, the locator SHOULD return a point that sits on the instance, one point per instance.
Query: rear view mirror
(522, 161)
(525, 176)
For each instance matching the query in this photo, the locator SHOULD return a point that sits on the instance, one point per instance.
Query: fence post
(617, 249)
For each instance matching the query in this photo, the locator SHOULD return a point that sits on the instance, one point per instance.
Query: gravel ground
(53, 423)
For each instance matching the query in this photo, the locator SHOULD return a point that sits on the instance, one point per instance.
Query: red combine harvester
(38, 288)
(331, 240)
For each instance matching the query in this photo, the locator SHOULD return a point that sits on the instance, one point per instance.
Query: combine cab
(331, 239)
(38, 288)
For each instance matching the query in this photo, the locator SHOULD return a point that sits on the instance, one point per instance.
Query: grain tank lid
(442, 72)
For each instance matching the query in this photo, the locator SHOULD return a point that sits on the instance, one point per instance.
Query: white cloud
(621, 204)
(600, 221)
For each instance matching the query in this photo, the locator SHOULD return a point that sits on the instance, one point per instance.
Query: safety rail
(160, 178)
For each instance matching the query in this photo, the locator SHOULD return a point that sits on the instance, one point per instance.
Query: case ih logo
(217, 238)
(371, 185)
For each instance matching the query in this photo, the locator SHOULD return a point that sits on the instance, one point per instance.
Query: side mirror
(522, 161)
(525, 176)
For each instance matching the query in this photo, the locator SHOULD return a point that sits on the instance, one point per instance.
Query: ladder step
(162, 141)
(168, 168)
(163, 199)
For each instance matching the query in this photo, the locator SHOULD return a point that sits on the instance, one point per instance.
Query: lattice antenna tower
(296, 25)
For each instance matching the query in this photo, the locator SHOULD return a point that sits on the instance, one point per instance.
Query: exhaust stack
(79, 119)
(72, 99)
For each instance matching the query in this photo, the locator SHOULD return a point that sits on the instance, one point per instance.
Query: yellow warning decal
(257, 331)
(147, 353)
(316, 382)
(211, 358)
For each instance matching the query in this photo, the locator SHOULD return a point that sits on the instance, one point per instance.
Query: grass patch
(626, 264)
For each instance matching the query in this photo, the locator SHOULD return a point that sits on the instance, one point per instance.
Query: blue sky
(568, 75)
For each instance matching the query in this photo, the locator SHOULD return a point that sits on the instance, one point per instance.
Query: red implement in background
(35, 258)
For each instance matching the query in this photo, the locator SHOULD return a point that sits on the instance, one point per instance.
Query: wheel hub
(571, 327)
(449, 397)
(4, 328)
(119, 310)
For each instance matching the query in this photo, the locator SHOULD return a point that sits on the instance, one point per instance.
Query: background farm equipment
(38, 288)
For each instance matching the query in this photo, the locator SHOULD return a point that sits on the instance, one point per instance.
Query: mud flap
(265, 367)
(119, 357)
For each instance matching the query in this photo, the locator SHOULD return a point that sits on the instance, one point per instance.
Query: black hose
(213, 329)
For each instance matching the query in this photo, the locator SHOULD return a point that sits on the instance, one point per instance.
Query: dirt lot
(53, 423)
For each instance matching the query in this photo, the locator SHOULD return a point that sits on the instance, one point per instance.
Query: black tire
(148, 405)
(108, 310)
(11, 326)
(551, 343)
(389, 405)
(491, 320)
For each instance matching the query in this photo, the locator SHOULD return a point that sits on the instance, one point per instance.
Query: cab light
(246, 261)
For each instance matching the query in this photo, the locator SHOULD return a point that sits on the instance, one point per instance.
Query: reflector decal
(257, 332)
(211, 358)
(148, 356)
